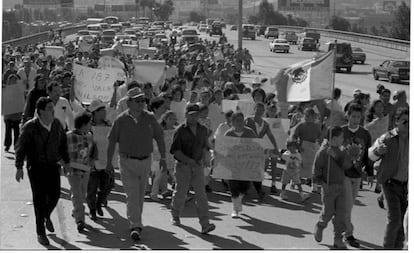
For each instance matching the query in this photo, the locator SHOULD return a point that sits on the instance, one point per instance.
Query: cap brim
(137, 96)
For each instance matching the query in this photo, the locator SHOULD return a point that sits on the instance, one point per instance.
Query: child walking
(80, 148)
(292, 172)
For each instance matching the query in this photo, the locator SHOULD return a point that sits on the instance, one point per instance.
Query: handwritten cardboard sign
(93, 83)
(239, 159)
(377, 127)
(55, 51)
(279, 129)
(12, 99)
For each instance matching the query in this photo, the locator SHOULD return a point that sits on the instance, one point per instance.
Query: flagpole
(330, 115)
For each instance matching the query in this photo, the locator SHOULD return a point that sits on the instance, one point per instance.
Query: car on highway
(117, 27)
(233, 28)
(358, 55)
(87, 38)
(203, 28)
(392, 70)
(81, 33)
(279, 45)
(124, 39)
(260, 30)
(290, 36)
(189, 39)
(95, 29)
(159, 39)
(310, 33)
(343, 55)
(180, 30)
(249, 31)
(108, 36)
(307, 43)
(216, 29)
(271, 31)
(131, 32)
(189, 32)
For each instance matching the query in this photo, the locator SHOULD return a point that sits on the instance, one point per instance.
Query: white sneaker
(304, 196)
(283, 195)
(235, 214)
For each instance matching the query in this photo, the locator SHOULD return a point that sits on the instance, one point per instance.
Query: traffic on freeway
(146, 134)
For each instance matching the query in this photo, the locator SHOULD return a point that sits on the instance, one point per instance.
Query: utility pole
(239, 28)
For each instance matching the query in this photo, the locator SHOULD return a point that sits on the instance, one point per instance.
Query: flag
(307, 80)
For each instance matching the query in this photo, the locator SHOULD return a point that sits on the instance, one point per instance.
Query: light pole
(240, 21)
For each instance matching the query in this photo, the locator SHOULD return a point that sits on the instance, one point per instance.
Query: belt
(135, 157)
(395, 181)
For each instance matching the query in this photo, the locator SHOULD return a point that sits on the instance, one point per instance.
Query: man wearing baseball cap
(134, 131)
(27, 73)
(189, 143)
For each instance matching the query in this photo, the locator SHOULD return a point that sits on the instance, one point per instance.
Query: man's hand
(19, 174)
(163, 165)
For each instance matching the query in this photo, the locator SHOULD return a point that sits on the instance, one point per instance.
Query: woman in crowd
(39, 90)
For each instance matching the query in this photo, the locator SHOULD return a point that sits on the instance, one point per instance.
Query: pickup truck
(290, 36)
(311, 33)
(279, 45)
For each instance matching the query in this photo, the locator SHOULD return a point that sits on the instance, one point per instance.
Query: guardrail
(41, 37)
(401, 45)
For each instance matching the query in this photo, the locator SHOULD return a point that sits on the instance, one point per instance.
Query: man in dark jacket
(42, 143)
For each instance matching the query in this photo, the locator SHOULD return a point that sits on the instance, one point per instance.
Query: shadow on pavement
(65, 244)
(152, 238)
(221, 243)
(368, 245)
(265, 227)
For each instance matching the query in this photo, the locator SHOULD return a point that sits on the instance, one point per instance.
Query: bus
(111, 20)
(91, 21)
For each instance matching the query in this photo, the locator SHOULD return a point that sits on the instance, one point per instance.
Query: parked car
(95, 29)
(124, 39)
(160, 38)
(249, 31)
(132, 33)
(260, 30)
(290, 36)
(279, 45)
(233, 28)
(108, 36)
(343, 55)
(271, 31)
(392, 70)
(116, 27)
(203, 28)
(307, 43)
(81, 33)
(358, 55)
(216, 29)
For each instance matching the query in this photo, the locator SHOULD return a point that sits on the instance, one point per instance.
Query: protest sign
(93, 83)
(249, 79)
(130, 50)
(239, 159)
(113, 64)
(377, 127)
(279, 129)
(12, 99)
(149, 71)
(246, 107)
(55, 51)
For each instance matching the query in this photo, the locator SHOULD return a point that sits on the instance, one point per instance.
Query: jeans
(78, 181)
(186, 176)
(351, 191)
(333, 200)
(134, 177)
(11, 126)
(238, 187)
(99, 187)
(45, 184)
(396, 196)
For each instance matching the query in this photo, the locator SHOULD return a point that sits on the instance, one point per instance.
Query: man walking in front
(190, 141)
(392, 150)
(43, 143)
(134, 130)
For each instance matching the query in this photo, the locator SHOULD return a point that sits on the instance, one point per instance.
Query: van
(95, 29)
(271, 31)
(343, 55)
(249, 31)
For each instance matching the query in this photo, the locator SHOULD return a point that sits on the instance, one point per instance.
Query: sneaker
(304, 196)
(135, 234)
(80, 226)
(318, 233)
(176, 221)
(235, 214)
(339, 244)
(42, 239)
(380, 202)
(92, 214)
(207, 229)
(49, 225)
(283, 195)
(352, 241)
(273, 189)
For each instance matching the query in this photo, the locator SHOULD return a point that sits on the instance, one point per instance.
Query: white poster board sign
(12, 99)
(239, 159)
(91, 84)
(55, 51)
(149, 71)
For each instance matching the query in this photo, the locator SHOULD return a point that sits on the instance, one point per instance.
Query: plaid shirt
(80, 149)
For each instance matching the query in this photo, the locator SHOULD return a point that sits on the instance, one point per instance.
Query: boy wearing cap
(190, 141)
(27, 73)
(100, 180)
(135, 125)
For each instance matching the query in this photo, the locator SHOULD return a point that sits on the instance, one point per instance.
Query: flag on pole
(307, 80)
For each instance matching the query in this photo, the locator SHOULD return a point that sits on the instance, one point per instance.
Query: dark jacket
(40, 146)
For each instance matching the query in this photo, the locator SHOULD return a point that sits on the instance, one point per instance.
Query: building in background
(316, 12)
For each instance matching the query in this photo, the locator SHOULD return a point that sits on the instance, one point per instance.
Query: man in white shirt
(63, 109)
(27, 73)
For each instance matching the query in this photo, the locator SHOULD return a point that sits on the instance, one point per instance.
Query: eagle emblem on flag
(298, 75)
